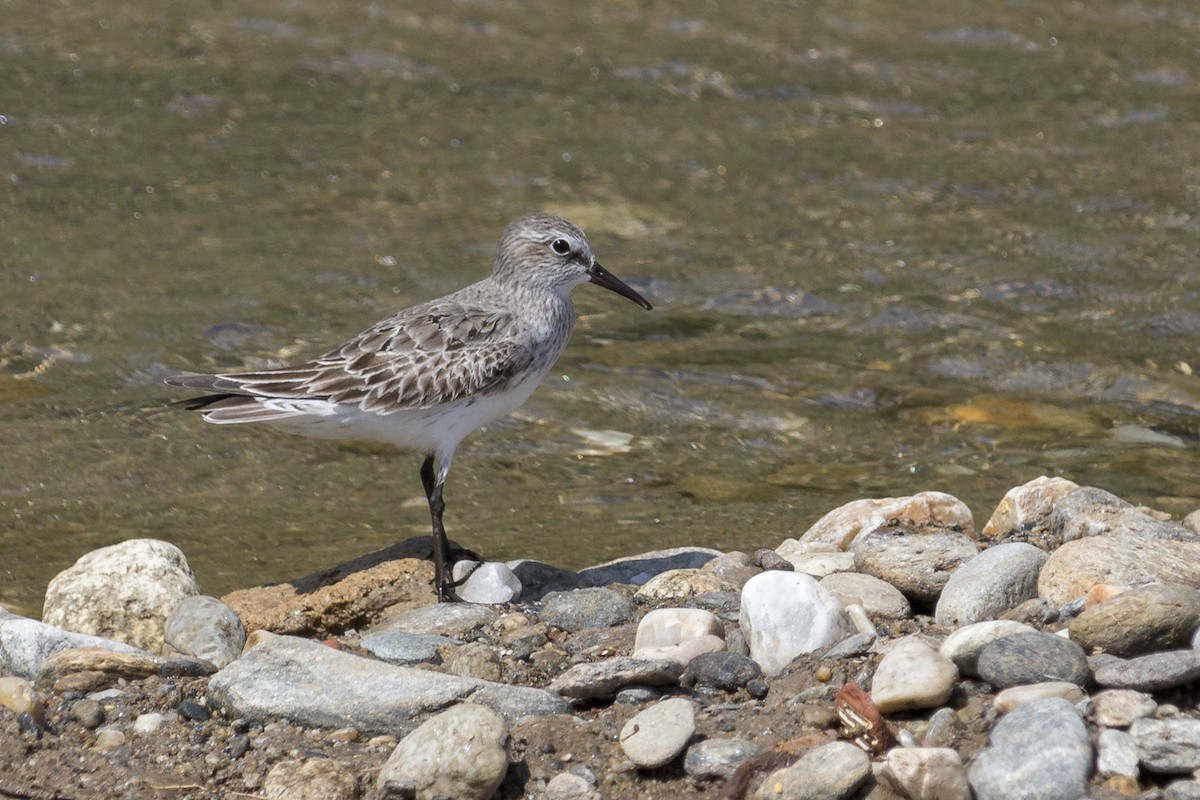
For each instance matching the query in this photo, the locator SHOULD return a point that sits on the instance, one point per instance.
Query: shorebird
(427, 376)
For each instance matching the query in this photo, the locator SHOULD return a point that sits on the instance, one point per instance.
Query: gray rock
(587, 608)
(1041, 751)
(475, 660)
(25, 644)
(1145, 619)
(1182, 790)
(726, 671)
(1089, 511)
(569, 786)
(787, 614)
(310, 779)
(996, 580)
(311, 684)
(124, 592)
(538, 579)
(655, 736)
(460, 753)
(1024, 512)
(852, 646)
(917, 563)
(879, 598)
(965, 644)
(204, 627)
(457, 620)
(1167, 745)
(1117, 754)
(1118, 708)
(398, 647)
(1150, 673)
(717, 758)
(829, 772)
(1032, 658)
(605, 678)
(641, 568)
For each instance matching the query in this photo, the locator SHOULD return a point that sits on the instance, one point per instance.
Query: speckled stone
(1032, 658)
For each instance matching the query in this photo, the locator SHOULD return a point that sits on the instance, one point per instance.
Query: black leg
(433, 492)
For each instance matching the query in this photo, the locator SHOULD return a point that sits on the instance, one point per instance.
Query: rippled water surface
(891, 246)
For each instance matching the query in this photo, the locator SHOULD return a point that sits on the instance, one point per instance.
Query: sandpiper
(431, 374)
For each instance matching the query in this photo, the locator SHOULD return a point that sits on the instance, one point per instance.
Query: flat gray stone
(311, 684)
(605, 678)
(998, 579)
(25, 644)
(638, 569)
(582, 609)
(1117, 754)
(445, 619)
(1032, 658)
(399, 647)
(918, 563)
(653, 737)
(717, 758)
(1151, 673)
(1167, 745)
(1041, 751)
(829, 772)
(965, 644)
(878, 597)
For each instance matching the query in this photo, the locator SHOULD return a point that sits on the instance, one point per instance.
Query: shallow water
(892, 247)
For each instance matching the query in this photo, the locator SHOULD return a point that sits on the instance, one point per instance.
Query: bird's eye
(561, 246)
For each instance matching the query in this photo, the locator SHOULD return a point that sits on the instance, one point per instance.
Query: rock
(311, 779)
(843, 525)
(123, 592)
(965, 644)
(918, 564)
(734, 566)
(1077, 567)
(786, 614)
(996, 580)
(1182, 790)
(456, 620)
(726, 671)
(856, 645)
(816, 558)
(682, 584)
(587, 608)
(1088, 512)
(641, 568)
(92, 668)
(206, 628)
(926, 773)
(1041, 750)
(605, 678)
(148, 723)
(717, 758)
(879, 598)
(88, 713)
(1192, 521)
(1032, 658)
(830, 772)
(1150, 673)
(569, 786)
(655, 736)
(767, 560)
(1167, 745)
(459, 753)
(25, 644)
(912, 675)
(538, 579)
(280, 675)
(1145, 619)
(488, 583)
(399, 647)
(678, 633)
(1117, 754)
(1016, 696)
(1024, 512)
(108, 739)
(475, 660)
(16, 694)
(1118, 708)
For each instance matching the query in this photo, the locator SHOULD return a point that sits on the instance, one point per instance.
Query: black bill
(602, 277)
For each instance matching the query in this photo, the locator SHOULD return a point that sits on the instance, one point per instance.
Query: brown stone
(1023, 514)
(350, 595)
(91, 668)
(1074, 569)
(1142, 620)
(932, 510)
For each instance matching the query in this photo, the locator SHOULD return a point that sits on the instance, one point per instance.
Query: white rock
(569, 786)
(123, 592)
(16, 694)
(491, 582)
(148, 723)
(817, 560)
(108, 739)
(996, 580)
(786, 614)
(459, 753)
(927, 773)
(683, 652)
(912, 675)
(1017, 696)
(1118, 755)
(679, 634)
(842, 525)
(1118, 708)
(965, 644)
(1027, 506)
(655, 736)
(878, 597)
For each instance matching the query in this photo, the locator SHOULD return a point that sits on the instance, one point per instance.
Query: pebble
(717, 758)
(1167, 745)
(680, 634)
(879, 598)
(310, 779)
(1077, 567)
(1040, 750)
(1024, 511)
(684, 584)
(475, 660)
(726, 671)
(16, 694)
(569, 786)
(816, 559)
(786, 614)
(490, 583)
(829, 772)
(1032, 658)
(1150, 673)
(767, 559)
(912, 675)
(1118, 708)
(926, 773)
(1182, 790)
(108, 739)
(605, 678)
(456, 620)
(459, 753)
(1145, 619)
(655, 736)
(998, 579)
(587, 608)
(917, 563)
(851, 646)
(123, 592)
(204, 627)
(400, 647)
(965, 644)
(148, 723)
(638, 569)
(88, 713)
(1016, 696)
(1117, 754)
(844, 524)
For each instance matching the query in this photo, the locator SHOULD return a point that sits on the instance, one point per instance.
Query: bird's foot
(445, 589)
